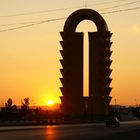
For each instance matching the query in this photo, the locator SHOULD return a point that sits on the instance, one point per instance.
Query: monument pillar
(73, 102)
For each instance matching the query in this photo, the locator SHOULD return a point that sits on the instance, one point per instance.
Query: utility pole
(136, 101)
(115, 100)
(85, 3)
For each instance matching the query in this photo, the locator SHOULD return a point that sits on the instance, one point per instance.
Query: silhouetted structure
(73, 102)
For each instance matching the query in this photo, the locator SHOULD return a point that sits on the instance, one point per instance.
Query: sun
(50, 103)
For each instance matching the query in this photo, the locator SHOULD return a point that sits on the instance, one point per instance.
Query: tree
(25, 103)
(9, 112)
(8, 104)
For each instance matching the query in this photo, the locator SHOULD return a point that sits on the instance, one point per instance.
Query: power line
(124, 4)
(33, 24)
(61, 9)
(121, 10)
(103, 3)
(39, 12)
(21, 23)
(44, 21)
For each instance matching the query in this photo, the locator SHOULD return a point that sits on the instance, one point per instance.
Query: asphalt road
(96, 131)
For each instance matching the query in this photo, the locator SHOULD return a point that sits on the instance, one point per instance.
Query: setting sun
(50, 102)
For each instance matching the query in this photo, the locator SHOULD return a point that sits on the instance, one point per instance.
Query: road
(96, 131)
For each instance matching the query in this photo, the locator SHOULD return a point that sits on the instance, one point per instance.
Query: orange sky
(29, 57)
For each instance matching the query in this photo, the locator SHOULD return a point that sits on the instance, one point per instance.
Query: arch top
(82, 14)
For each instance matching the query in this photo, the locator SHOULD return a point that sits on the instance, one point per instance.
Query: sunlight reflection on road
(51, 133)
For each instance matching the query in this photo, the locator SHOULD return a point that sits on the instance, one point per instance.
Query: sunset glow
(29, 57)
(50, 103)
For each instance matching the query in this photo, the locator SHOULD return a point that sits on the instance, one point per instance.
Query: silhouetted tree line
(125, 111)
(10, 112)
(136, 111)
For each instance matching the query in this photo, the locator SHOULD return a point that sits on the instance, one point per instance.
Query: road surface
(96, 131)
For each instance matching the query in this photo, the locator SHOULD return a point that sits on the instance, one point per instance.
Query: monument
(73, 102)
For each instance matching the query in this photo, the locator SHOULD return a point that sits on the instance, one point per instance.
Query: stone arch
(73, 102)
(75, 18)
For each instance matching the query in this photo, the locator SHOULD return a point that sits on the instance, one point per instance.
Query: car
(112, 121)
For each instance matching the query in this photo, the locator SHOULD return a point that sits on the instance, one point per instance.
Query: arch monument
(73, 102)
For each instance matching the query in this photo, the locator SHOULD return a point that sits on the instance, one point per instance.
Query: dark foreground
(98, 131)
(130, 135)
